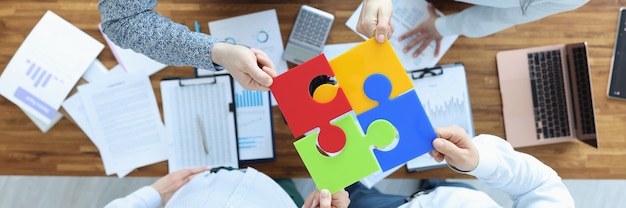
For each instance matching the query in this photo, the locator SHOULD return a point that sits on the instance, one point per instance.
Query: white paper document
(124, 117)
(47, 65)
(408, 14)
(258, 30)
(76, 110)
(255, 134)
(445, 98)
(200, 122)
(132, 61)
(95, 71)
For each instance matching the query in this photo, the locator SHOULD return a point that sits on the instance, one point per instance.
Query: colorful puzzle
(370, 120)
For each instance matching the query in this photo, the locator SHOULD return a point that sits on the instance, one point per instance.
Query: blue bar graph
(249, 98)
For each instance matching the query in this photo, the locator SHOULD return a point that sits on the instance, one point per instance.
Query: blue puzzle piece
(405, 112)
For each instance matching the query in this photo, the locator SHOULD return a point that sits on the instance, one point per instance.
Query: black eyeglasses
(421, 73)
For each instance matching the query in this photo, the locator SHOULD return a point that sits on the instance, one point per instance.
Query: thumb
(325, 199)
(383, 26)
(260, 76)
(446, 148)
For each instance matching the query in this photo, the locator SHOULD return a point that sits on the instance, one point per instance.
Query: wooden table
(66, 150)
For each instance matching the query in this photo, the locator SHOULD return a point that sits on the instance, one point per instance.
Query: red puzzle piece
(302, 112)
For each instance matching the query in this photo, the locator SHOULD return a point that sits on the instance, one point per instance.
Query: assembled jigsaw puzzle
(370, 120)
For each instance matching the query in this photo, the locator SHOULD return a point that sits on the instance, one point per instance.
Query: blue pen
(197, 25)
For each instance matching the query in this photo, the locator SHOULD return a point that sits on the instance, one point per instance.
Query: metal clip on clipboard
(421, 73)
(197, 80)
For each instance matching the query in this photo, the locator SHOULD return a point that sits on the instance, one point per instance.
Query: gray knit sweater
(133, 24)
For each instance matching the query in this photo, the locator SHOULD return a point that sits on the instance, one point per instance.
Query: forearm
(482, 20)
(145, 197)
(134, 24)
(528, 181)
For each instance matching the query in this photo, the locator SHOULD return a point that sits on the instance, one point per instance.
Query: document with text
(124, 116)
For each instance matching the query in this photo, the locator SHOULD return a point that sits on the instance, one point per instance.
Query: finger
(259, 76)
(325, 199)
(265, 61)
(414, 31)
(422, 48)
(308, 203)
(341, 199)
(413, 43)
(436, 155)
(438, 45)
(255, 86)
(197, 170)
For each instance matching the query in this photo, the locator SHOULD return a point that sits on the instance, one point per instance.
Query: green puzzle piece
(354, 162)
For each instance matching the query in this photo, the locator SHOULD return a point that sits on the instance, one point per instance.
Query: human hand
(323, 199)
(170, 183)
(251, 67)
(456, 147)
(375, 19)
(425, 32)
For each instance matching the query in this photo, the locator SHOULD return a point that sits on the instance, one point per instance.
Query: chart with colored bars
(254, 124)
(249, 98)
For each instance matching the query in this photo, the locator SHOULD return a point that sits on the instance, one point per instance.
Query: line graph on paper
(254, 124)
(450, 113)
(445, 98)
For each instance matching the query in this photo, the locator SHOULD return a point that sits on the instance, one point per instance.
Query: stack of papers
(119, 113)
(46, 67)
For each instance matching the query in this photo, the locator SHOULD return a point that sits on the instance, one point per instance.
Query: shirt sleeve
(146, 197)
(134, 24)
(486, 19)
(528, 181)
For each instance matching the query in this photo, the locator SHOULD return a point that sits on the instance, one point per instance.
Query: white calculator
(308, 35)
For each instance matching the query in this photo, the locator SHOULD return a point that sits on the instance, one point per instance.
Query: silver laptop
(308, 35)
(546, 95)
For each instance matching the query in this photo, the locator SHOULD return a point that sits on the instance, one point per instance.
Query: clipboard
(200, 121)
(255, 125)
(444, 95)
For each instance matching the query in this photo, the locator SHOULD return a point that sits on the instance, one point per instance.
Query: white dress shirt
(249, 188)
(491, 16)
(528, 181)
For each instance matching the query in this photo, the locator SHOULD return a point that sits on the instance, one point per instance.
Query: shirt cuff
(442, 26)
(149, 195)
(487, 158)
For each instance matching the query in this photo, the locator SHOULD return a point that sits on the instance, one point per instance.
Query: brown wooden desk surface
(65, 150)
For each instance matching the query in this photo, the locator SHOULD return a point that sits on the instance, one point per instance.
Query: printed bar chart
(248, 98)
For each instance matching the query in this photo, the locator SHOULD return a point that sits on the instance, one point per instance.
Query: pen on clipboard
(202, 135)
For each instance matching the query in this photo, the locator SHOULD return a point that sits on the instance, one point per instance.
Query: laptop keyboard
(311, 28)
(585, 103)
(548, 91)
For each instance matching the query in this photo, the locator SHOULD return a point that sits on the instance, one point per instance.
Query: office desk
(65, 150)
